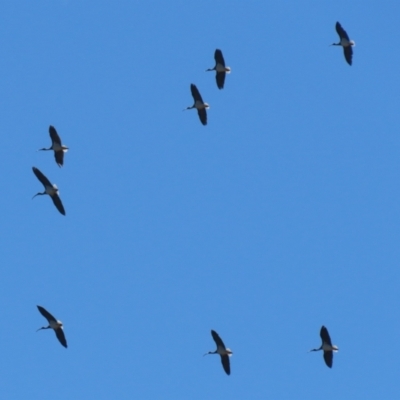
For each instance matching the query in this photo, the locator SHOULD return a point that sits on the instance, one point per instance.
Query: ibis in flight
(53, 324)
(224, 352)
(345, 42)
(49, 189)
(198, 104)
(327, 347)
(58, 148)
(220, 69)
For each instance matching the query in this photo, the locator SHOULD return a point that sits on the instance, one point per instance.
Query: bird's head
(352, 43)
(229, 352)
(206, 105)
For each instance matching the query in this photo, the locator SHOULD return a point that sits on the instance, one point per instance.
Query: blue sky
(281, 215)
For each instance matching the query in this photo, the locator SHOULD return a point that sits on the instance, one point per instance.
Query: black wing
(219, 58)
(348, 54)
(217, 339)
(328, 357)
(195, 93)
(46, 314)
(54, 135)
(341, 32)
(325, 336)
(61, 337)
(220, 78)
(41, 177)
(226, 364)
(203, 116)
(59, 156)
(57, 202)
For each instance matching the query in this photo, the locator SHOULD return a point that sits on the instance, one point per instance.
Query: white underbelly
(51, 190)
(344, 42)
(199, 105)
(327, 347)
(54, 324)
(57, 147)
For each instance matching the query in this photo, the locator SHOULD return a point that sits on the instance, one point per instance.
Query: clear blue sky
(279, 216)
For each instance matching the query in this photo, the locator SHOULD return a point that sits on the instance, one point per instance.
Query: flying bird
(220, 68)
(58, 148)
(224, 352)
(198, 104)
(327, 347)
(345, 42)
(53, 324)
(49, 189)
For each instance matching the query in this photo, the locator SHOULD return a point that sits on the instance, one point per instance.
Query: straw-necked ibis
(224, 352)
(49, 189)
(199, 104)
(220, 69)
(345, 42)
(53, 324)
(58, 148)
(327, 347)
